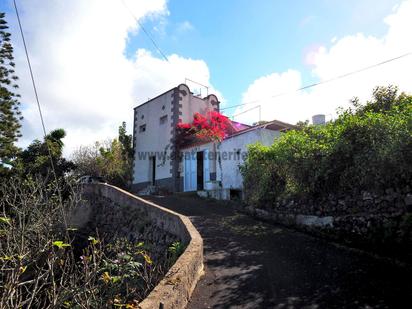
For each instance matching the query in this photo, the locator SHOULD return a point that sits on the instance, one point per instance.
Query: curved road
(250, 264)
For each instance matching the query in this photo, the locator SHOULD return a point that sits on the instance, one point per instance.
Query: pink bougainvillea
(212, 126)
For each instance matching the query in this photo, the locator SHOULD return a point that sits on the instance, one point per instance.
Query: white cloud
(150, 72)
(304, 22)
(346, 54)
(185, 26)
(86, 83)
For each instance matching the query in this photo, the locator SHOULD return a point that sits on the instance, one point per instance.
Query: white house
(154, 135)
(214, 168)
(210, 167)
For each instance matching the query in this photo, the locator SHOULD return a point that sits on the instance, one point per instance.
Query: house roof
(274, 125)
(152, 99)
(239, 126)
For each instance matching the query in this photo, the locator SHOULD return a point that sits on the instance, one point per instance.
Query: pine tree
(10, 115)
(127, 142)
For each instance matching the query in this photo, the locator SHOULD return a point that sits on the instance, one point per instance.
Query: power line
(146, 32)
(248, 110)
(32, 79)
(39, 108)
(322, 82)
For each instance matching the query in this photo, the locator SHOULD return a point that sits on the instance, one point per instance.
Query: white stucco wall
(229, 173)
(154, 139)
(191, 105)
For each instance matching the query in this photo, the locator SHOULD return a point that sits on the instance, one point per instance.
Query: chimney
(318, 119)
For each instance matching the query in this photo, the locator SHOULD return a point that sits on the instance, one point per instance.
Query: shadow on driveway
(250, 264)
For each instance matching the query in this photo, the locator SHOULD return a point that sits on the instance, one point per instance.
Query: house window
(163, 108)
(163, 119)
(142, 117)
(142, 128)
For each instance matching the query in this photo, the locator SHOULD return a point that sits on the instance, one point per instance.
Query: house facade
(156, 162)
(207, 166)
(223, 160)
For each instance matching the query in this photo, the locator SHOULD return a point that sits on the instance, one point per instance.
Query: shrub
(367, 147)
(44, 263)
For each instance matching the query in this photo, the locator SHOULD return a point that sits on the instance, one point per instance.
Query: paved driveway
(250, 264)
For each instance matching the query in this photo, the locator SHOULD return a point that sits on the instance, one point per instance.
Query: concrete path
(250, 264)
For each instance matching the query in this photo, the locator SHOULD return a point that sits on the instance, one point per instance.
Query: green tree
(112, 165)
(35, 160)
(10, 115)
(112, 160)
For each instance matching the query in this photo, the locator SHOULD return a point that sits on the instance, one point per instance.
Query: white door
(193, 172)
(190, 172)
(186, 173)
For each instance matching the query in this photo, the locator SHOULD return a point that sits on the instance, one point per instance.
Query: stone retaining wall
(391, 200)
(175, 288)
(375, 222)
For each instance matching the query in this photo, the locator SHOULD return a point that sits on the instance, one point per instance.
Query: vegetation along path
(250, 264)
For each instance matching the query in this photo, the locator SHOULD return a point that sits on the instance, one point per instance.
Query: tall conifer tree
(10, 115)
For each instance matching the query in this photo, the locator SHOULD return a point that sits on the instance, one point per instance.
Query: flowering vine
(211, 126)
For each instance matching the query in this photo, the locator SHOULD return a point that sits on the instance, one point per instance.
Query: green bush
(368, 147)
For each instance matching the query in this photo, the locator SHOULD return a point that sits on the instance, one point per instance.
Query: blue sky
(243, 40)
(93, 64)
